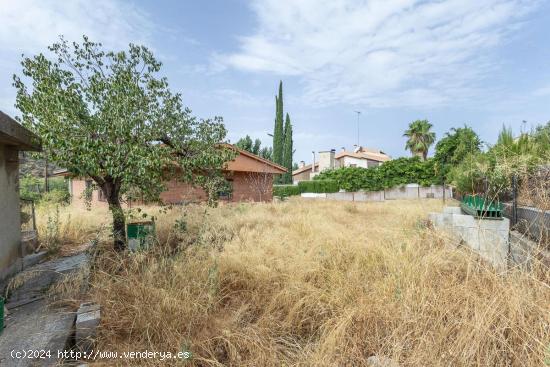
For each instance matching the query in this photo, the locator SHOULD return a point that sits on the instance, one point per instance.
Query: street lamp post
(358, 114)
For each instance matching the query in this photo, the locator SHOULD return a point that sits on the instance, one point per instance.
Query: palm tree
(420, 138)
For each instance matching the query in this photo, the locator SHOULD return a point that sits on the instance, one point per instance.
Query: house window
(227, 194)
(353, 165)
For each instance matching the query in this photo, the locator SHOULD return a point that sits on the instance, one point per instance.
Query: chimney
(326, 160)
(313, 164)
(343, 149)
(302, 164)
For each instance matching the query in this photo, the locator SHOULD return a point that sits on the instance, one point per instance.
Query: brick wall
(180, 192)
(250, 186)
(247, 186)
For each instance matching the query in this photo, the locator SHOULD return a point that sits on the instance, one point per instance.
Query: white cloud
(31, 25)
(380, 53)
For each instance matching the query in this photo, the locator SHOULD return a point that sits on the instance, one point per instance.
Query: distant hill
(28, 165)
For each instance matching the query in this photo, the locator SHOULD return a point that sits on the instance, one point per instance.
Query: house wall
(247, 186)
(347, 161)
(77, 186)
(10, 215)
(250, 186)
(302, 176)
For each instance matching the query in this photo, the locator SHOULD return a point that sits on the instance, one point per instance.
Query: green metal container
(1, 314)
(481, 207)
(140, 235)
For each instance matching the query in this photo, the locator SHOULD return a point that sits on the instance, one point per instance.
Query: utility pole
(358, 114)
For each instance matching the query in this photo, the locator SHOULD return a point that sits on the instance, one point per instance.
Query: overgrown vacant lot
(318, 283)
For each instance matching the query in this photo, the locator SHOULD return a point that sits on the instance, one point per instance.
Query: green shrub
(283, 191)
(55, 197)
(392, 173)
(318, 186)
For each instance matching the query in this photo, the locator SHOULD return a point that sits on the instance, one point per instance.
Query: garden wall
(411, 191)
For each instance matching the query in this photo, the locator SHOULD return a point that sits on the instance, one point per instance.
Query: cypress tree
(278, 137)
(287, 151)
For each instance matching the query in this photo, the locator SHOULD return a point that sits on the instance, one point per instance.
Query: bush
(283, 191)
(55, 197)
(392, 173)
(318, 186)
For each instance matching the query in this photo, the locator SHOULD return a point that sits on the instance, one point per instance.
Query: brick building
(250, 178)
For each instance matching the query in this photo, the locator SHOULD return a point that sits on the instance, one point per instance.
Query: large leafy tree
(108, 116)
(254, 147)
(454, 147)
(419, 138)
(288, 151)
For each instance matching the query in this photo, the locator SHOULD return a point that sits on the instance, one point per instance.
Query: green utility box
(481, 207)
(140, 235)
(1, 314)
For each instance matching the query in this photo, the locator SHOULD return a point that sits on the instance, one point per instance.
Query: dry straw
(304, 283)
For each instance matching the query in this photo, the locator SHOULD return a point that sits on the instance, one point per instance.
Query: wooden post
(33, 216)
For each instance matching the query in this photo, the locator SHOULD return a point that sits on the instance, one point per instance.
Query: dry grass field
(312, 283)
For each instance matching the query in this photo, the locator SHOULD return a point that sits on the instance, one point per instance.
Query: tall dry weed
(307, 283)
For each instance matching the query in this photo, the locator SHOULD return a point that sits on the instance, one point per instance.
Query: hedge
(285, 190)
(317, 186)
(392, 173)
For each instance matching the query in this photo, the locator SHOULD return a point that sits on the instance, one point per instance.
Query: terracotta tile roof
(305, 168)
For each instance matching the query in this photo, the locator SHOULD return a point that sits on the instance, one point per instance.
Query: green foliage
(267, 153)
(247, 144)
(102, 114)
(254, 147)
(319, 186)
(55, 196)
(454, 148)
(278, 131)
(419, 138)
(30, 187)
(315, 186)
(283, 191)
(287, 151)
(491, 172)
(33, 188)
(390, 174)
(51, 237)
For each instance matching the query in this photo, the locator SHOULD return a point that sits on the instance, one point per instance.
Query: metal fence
(532, 222)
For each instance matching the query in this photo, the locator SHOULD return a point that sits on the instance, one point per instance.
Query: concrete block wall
(369, 196)
(412, 191)
(402, 192)
(341, 196)
(489, 238)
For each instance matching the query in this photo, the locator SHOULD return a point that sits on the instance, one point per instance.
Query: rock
(381, 361)
(87, 320)
(34, 259)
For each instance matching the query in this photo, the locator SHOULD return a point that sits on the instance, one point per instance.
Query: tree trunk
(112, 193)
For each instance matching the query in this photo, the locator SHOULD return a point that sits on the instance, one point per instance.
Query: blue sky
(484, 63)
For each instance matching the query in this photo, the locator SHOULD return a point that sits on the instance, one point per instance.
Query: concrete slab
(34, 259)
(32, 324)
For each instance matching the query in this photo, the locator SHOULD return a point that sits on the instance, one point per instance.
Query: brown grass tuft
(308, 283)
